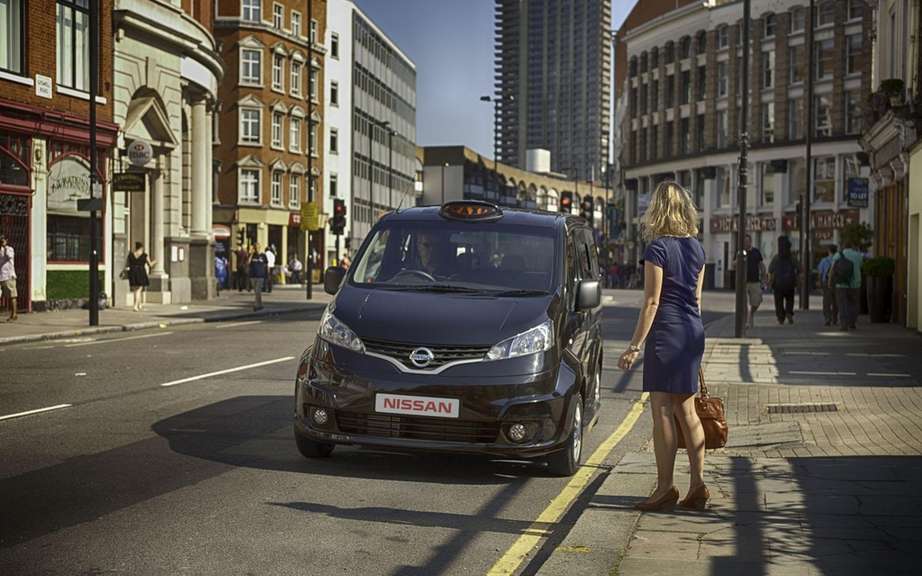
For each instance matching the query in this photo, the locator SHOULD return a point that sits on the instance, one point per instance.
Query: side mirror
(332, 278)
(588, 295)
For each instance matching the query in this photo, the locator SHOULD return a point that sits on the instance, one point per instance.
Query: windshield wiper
(430, 288)
(520, 292)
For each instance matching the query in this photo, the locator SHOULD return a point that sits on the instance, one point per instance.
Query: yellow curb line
(516, 554)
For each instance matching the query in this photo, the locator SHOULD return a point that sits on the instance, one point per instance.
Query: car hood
(437, 319)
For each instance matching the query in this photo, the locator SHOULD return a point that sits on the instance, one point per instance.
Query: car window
(592, 253)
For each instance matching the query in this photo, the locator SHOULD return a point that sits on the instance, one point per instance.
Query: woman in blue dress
(670, 324)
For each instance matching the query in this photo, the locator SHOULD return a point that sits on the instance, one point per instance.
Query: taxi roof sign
(471, 210)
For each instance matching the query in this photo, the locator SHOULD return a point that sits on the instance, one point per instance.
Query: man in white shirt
(270, 268)
(8, 275)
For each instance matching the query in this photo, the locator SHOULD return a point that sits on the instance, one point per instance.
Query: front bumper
(492, 397)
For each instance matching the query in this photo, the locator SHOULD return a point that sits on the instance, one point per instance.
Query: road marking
(141, 337)
(235, 324)
(867, 355)
(38, 411)
(882, 375)
(228, 371)
(517, 553)
(821, 373)
(806, 353)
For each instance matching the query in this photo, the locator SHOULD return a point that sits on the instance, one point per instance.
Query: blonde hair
(672, 212)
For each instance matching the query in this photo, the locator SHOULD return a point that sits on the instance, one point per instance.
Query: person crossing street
(846, 277)
(8, 276)
(830, 308)
(755, 278)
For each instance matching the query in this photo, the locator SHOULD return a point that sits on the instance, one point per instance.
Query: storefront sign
(128, 181)
(858, 192)
(140, 153)
(754, 223)
(822, 220)
(310, 216)
(68, 181)
(43, 86)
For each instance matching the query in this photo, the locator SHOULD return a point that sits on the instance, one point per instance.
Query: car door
(591, 319)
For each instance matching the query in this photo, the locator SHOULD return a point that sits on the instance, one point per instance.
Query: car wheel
(565, 462)
(312, 449)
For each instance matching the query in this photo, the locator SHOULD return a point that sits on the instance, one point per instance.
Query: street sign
(310, 216)
(858, 192)
(128, 181)
(140, 153)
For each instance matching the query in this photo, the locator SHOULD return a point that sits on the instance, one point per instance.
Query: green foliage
(858, 235)
(880, 267)
(66, 284)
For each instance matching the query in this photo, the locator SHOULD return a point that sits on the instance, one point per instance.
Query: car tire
(311, 448)
(565, 462)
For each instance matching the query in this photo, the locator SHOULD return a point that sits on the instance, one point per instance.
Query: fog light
(320, 416)
(517, 432)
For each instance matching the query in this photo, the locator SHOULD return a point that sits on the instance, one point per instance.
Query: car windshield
(459, 256)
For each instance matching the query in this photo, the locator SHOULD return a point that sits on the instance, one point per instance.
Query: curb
(149, 324)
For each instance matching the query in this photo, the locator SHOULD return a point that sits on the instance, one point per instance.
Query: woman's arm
(701, 287)
(653, 285)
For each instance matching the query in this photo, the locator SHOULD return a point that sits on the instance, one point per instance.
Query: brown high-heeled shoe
(696, 499)
(662, 503)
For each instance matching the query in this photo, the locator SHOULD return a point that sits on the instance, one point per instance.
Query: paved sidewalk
(820, 476)
(230, 305)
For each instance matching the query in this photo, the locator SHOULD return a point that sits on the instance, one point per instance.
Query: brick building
(682, 81)
(44, 143)
(269, 141)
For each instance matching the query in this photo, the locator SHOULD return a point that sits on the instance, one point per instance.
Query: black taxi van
(465, 328)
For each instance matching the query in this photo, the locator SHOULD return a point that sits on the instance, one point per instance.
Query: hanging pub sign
(822, 220)
(857, 193)
(140, 153)
(754, 223)
(128, 182)
(68, 181)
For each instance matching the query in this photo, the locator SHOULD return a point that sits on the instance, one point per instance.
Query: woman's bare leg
(664, 441)
(684, 407)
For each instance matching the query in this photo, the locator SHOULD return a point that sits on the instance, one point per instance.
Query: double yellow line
(542, 526)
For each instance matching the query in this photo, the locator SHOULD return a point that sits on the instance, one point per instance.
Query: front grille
(416, 428)
(443, 354)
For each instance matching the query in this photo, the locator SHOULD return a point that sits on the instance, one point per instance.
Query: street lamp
(494, 102)
(743, 174)
(444, 166)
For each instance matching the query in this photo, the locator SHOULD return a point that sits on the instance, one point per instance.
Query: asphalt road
(203, 477)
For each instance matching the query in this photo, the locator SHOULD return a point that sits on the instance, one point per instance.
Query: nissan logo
(421, 357)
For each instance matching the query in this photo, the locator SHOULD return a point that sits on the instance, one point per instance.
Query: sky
(451, 43)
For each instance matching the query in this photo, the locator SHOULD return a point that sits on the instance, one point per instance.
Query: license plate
(417, 405)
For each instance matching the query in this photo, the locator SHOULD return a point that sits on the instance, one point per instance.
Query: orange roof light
(471, 210)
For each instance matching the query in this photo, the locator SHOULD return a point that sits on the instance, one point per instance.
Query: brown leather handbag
(711, 413)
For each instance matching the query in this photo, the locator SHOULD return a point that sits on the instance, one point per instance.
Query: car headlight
(334, 331)
(537, 339)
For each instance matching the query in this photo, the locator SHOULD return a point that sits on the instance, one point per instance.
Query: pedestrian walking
(241, 277)
(270, 268)
(670, 324)
(139, 266)
(782, 277)
(220, 272)
(8, 277)
(830, 308)
(755, 278)
(295, 266)
(846, 277)
(257, 273)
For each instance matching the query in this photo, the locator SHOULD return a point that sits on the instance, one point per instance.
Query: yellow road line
(517, 553)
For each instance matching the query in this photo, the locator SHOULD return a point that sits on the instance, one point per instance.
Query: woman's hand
(628, 357)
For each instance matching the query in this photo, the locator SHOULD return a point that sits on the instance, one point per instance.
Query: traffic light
(241, 237)
(338, 223)
(585, 208)
(566, 202)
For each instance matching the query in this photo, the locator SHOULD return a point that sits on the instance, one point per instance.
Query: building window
(334, 181)
(644, 63)
(795, 124)
(654, 58)
(855, 54)
(73, 44)
(334, 93)
(684, 47)
(767, 185)
(278, 17)
(699, 133)
(654, 143)
(723, 187)
(702, 82)
(296, 23)
(824, 58)
(632, 67)
(294, 134)
(686, 86)
(768, 122)
(278, 62)
(249, 186)
(313, 87)
(797, 180)
(313, 31)
(278, 123)
(685, 136)
(276, 188)
(825, 14)
(670, 91)
(723, 80)
(251, 10)
(643, 99)
(824, 179)
(723, 36)
(798, 20)
(334, 141)
(249, 125)
(294, 190)
(855, 9)
(722, 129)
(795, 72)
(295, 78)
(768, 69)
(654, 95)
(251, 66)
(852, 112)
(670, 52)
(822, 107)
(701, 40)
(668, 139)
(334, 45)
(769, 22)
(11, 37)
(633, 103)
